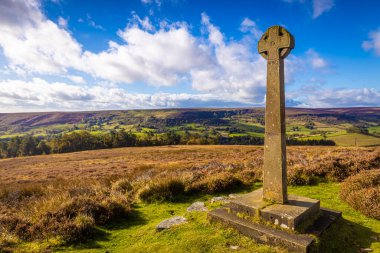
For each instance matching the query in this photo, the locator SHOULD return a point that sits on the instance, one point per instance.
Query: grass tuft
(162, 189)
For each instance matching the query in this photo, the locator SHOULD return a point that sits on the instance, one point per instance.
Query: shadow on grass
(344, 236)
(100, 234)
(190, 197)
(134, 219)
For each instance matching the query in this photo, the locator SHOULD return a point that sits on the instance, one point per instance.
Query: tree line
(83, 140)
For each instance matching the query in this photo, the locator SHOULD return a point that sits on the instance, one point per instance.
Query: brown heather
(362, 192)
(64, 196)
(64, 209)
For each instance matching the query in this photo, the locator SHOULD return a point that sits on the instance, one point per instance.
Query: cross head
(276, 43)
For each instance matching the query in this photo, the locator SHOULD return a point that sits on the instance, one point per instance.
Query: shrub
(14, 195)
(122, 185)
(69, 212)
(333, 165)
(15, 225)
(215, 183)
(301, 177)
(362, 192)
(162, 189)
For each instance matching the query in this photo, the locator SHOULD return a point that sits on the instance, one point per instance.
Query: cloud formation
(324, 98)
(219, 71)
(40, 95)
(321, 6)
(373, 43)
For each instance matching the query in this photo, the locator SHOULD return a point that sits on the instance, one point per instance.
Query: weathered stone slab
(249, 204)
(292, 214)
(261, 233)
(197, 207)
(168, 223)
(222, 199)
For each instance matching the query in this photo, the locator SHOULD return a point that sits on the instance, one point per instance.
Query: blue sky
(66, 55)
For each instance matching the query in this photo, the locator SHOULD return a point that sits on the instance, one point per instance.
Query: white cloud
(92, 23)
(162, 58)
(76, 79)
(15, 14)
(157, 2)
(34, 43)
(62, 22)
(214, 35)
(40, 95)
(235, 71)
(315, 60)
(373, 43)
(321, 6)
(249, 25)
(325, 98)
(144, 23)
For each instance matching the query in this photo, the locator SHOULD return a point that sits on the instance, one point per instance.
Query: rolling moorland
(346, 126)
(111, 200)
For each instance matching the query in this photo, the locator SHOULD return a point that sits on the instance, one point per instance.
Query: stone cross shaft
(275, 44)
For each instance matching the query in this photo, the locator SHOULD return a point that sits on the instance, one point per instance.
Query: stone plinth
(270, 235)
(290, 215)
(249, 204)
(261, 233)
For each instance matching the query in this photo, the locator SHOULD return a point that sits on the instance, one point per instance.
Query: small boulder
(168, 223)
(234, 247)
(197, 207)
(363, 250)
(220, 199)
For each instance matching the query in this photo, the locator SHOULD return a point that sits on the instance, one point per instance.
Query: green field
(359, 140)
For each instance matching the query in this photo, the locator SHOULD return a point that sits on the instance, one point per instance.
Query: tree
(309, 124)
(43, 148)
(27, 146)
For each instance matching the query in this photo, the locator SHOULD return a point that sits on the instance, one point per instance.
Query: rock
(375, 238)
(233, 196)
(363, 250)
(197, 206)
(168, 223)
(220, 199)
(234, 247)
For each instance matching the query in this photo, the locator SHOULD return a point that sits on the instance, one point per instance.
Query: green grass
(138, 234)
(374, 129)
(349, 234)
(360, 140)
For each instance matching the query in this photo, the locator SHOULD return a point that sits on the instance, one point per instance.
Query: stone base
(290, 215)
(299, 212)
(262, 234)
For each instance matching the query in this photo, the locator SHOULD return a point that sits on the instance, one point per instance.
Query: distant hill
(347, 126)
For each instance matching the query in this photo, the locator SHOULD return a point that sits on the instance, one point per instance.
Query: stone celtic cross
(275, 44)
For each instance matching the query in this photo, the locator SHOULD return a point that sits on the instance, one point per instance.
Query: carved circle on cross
(276, 43)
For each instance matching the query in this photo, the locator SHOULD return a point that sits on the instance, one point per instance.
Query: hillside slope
(328, 123)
